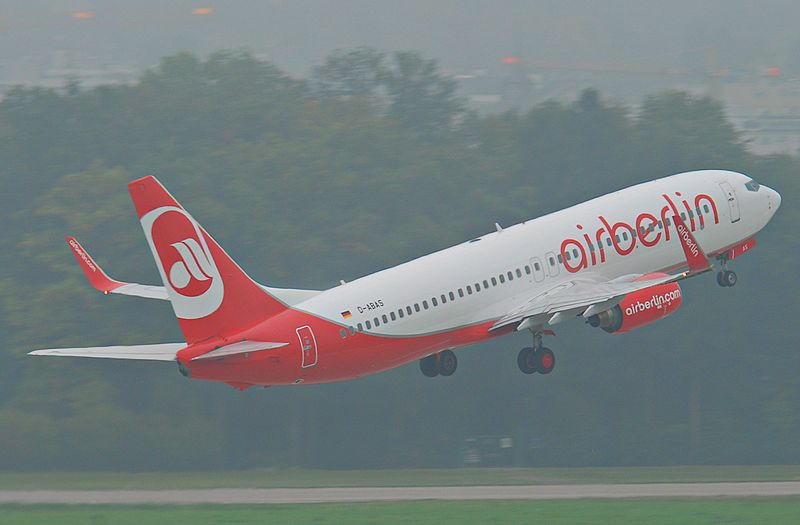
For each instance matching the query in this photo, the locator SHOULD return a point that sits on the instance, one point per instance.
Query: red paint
(649, 239)
(741, 249)
(338, 359)
(649, 305)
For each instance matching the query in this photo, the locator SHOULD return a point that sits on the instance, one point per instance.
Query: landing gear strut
(725, 277)
(444, 363)
(536, 358)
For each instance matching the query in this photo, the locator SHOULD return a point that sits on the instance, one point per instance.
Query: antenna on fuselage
(498, 227)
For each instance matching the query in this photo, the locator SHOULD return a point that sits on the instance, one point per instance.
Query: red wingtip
(97, 277)
(695, 257)
(148, 194)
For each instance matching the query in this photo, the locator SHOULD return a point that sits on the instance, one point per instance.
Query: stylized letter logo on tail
(192, 266)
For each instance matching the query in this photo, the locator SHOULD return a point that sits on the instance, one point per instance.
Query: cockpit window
(752, 185)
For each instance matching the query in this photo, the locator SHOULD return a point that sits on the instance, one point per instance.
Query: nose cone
(774, 199)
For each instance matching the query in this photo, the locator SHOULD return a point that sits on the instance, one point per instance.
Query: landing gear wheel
(545, 360)
(447, 363)
(727, 278)
(526, 360)
(429, 366)
(730, 278)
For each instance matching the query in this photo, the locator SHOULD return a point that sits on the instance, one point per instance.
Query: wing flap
(154, 352)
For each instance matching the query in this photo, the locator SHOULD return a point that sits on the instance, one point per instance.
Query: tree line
(370, 161)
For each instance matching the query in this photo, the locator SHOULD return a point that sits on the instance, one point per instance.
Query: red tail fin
(211, 295)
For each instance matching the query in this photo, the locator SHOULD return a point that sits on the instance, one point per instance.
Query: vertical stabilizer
(210, 293)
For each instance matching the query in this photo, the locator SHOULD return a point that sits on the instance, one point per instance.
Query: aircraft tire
(730, 278)
(447, 363)
(545, 360)
(526, 361)
(428, 366)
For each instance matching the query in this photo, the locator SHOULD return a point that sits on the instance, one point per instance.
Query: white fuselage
(534, 254)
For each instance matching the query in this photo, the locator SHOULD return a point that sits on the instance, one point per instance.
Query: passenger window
(494, 281)
(343, 333)
(425, 304)
(683, 216)
(536, 266)
(369, 325)
(377, 322)
(394, 317)
(416, 307)
(477, 287)
(360, 327)
(519, 272)
(552, 261)
(469, 290)
(485, 284)
(625, 235)
(591, 247)
(502, 279)
(527, 269)
(352, 329)
(617, 237)
(691, 214)
(434, 301)
(608, 241)
(568, 256)
(408, 310)
(560, 260)
(452, 296)
(668, 222)
(460, 292)
(705, 207)
(400, 313)
(444, 298)
(510, 276)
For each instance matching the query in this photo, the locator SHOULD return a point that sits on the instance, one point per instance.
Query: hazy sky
(465, 34)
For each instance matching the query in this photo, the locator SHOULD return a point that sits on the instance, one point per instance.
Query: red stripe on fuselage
(340, 358)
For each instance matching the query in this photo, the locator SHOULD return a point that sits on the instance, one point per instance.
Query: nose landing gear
(726, 278)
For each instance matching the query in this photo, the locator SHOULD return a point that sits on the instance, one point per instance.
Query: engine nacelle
(640, 308)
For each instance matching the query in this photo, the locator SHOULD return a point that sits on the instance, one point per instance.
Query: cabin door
(733, 204)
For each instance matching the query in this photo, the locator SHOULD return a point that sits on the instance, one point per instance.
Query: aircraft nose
(774, 199)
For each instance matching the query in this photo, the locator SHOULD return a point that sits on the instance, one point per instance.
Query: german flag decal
(346, 314)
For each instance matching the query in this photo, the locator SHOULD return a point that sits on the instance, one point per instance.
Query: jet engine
(640, 308)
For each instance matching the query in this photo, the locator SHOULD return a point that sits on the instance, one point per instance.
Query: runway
(367, 494)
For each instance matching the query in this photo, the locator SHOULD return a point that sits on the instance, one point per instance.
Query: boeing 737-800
(614, 261)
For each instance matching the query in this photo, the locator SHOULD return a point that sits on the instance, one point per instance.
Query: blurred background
(320, 141)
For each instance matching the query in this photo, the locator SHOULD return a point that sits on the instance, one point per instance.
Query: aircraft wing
(587, 296)
(101, 281)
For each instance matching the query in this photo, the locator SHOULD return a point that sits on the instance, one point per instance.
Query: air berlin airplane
(614, 261)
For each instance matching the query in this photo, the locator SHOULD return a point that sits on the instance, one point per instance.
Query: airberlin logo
(656, 301)
(590, 250)
(82, 254)
(185, 262)
(194, 264)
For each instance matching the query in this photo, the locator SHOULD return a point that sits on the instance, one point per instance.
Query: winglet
(695, 257)
(97, 277)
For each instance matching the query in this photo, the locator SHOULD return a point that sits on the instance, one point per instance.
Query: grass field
(580, 512)
(391, 478)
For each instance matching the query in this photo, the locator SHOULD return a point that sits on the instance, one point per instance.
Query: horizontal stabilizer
(242, 347)
(156, 352)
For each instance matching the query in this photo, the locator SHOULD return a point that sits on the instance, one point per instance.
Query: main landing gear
(442, 364)
(536, 358)
(726, 278)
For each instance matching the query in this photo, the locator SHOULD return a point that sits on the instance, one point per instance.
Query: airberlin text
(592, 252)
(657, 301)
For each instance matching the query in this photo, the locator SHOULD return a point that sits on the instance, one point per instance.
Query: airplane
(614, 262)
